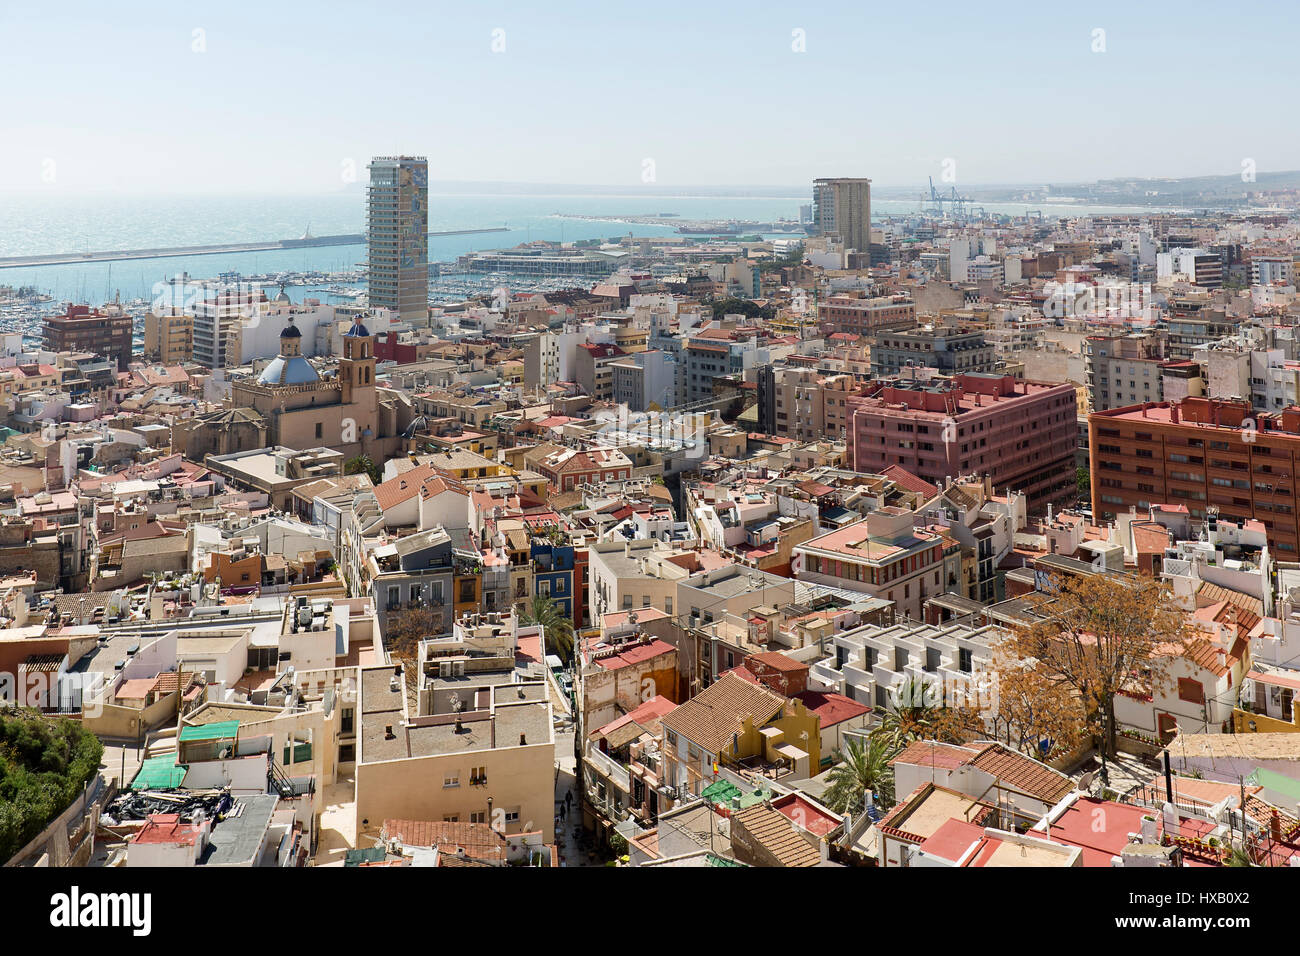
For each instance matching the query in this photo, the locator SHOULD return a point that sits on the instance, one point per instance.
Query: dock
(120, 255)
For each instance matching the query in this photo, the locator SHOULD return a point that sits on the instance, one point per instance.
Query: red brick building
(83, 329)
(1198, 453)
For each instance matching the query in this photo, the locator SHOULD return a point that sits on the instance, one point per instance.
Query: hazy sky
(237, 97)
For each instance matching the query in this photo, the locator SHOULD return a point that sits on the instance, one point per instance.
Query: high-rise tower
(842, 207)
(397, 227)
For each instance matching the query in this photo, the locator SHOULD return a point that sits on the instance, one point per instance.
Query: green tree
(1083, 480)
(44, 763)
(557, 627)
(858, 769)
(734, 306)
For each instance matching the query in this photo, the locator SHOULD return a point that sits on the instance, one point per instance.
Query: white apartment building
(872, 664)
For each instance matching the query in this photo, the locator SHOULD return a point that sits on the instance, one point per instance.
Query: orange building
(1199, 453)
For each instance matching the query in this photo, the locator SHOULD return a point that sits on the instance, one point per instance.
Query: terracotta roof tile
(774, 832)
(1015, 771)
(711, 717)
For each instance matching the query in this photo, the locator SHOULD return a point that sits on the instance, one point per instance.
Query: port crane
(961, 207)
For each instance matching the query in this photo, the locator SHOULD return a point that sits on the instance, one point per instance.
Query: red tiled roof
(635, 655)
(930, 753)
(1015, 771)
(778, 661)
(908, 481)
(831, 708)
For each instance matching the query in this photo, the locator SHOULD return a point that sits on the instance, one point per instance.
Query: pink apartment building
(1021, 434)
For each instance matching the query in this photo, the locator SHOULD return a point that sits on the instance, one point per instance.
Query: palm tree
(363, 464)
(912, 715)
(557, 627)
(861, 768)
(1239, 857)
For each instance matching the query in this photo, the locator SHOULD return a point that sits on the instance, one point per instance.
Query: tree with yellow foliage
(1094, 637)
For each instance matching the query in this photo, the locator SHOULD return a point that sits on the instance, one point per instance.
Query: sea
(46, 223)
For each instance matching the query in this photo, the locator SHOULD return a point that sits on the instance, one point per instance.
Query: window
(1191, 690)
(512, 816)
(668, 605)
(451, 779)
(320, 430)
(478, 816)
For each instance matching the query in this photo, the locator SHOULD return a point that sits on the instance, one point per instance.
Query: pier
(119, 255)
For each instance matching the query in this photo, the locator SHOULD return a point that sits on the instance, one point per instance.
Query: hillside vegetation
(44, 763)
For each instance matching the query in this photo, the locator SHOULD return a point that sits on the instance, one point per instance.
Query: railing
(617, 774)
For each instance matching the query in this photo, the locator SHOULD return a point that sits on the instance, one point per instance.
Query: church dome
(358, 328)
(291, 332)
(291, 370)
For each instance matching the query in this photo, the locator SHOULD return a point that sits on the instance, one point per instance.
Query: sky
(246, 98)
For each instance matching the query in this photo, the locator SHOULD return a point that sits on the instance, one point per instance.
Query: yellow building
(733, 721)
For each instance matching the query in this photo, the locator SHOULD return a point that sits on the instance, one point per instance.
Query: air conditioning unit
(458, 668)
(444, 669)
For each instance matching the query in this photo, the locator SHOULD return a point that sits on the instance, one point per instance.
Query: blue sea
(35, 224)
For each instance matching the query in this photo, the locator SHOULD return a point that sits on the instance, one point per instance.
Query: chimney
(523, 740)
(1275, 827)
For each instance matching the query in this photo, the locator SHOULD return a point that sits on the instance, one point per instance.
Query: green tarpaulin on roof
(159, 773)
(374, 854)
(1270, 780)
(722, 792)
(218, 731)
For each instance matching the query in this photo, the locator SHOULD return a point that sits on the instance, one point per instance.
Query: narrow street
(566, 784)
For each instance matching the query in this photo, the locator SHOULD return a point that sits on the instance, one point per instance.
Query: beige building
(168, 339)
(627, 575)
(803, 403)
(469, 742)
(305, 410)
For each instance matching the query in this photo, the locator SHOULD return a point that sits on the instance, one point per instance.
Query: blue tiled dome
(294, 370)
